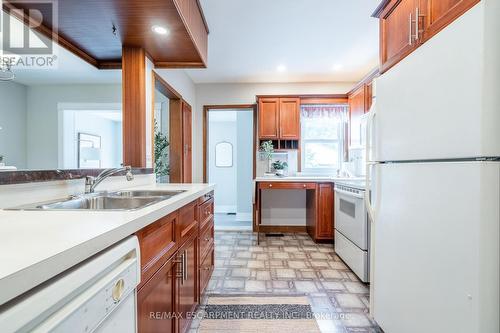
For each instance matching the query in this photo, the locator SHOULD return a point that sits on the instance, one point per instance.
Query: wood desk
(319, 208)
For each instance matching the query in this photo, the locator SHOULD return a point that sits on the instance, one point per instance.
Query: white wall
(42, 116)
(181, 82)
(13, 123)
(225, 177)
(244, 157)
(245, 93)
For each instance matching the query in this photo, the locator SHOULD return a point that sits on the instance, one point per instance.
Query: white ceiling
(249, 39)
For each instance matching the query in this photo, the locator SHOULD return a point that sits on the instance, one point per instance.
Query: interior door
(157, 296)
(187, 287)
(187, 172)
(289, 118)
(268, 118)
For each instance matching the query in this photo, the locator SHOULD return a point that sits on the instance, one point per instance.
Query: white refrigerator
(433, 175)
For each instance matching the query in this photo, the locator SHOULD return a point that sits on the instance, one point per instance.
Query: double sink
(120, 200)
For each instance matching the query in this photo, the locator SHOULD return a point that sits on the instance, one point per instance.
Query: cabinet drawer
(206, 269)
(157, 242)
(206, 213)
(206, 240)
(206, 197)
(286, 186)
(188, 221)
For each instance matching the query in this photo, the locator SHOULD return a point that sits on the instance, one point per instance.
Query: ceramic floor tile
(292, 265)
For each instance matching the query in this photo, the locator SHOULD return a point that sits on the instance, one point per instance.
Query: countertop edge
(48, 268)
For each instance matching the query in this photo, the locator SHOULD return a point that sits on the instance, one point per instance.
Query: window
(322, 133)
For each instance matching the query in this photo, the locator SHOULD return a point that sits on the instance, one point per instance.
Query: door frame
(235, 107)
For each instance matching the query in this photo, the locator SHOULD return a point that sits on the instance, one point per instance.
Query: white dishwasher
(97, 295)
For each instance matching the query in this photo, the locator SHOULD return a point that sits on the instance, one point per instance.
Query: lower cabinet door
(187, 296)
(155, 301)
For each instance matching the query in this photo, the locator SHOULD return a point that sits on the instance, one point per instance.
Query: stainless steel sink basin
(144, 194)
(120, 200)
(101, 203)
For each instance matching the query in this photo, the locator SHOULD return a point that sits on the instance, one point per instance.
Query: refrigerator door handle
(369, 163)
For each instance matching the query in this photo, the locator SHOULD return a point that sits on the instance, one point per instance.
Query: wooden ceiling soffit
(85, 28)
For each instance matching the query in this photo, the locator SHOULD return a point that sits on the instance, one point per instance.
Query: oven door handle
(350, 194)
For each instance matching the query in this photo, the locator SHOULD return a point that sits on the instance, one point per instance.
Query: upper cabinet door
(268, 118)
(439, 13)
(289, 118)
(397, 28)
(356, 110)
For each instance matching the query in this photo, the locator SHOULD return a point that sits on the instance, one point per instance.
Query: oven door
(351, 217)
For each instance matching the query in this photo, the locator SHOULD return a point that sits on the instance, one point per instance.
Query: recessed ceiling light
(160, 30)
(281, 68)
(337, 67)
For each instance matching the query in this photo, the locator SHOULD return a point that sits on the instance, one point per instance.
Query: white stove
(352, 232)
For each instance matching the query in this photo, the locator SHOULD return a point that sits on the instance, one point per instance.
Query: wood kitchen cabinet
(186, 296)
(407, 24)
(356, 111)
(397, 38)
(319, 212)
(437, 14)
(171, 266)
(156, 296)
(279, 118)
(269, 118)
(289, 119)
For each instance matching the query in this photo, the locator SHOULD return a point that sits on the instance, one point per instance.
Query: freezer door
(439, 102)
(436, 252)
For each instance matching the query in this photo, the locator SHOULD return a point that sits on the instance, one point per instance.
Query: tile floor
(292, 265)
(227, 222)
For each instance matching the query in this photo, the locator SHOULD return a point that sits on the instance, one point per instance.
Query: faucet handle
(129, 174)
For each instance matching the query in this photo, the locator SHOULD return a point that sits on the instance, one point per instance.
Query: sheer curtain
(339, 111)
(323, 137)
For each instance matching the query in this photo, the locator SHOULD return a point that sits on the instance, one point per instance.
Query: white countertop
(304, 179)
(37, 245)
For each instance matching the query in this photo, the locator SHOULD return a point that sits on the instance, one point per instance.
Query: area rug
(258, 314)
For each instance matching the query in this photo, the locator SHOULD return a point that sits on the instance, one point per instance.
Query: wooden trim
(451, 15)
(333, 96)
(165, 87)
(367, 78)
(237, 107)
(282, 228)
(109, 65)
(179, 64)
(203, 16)
(322, 100)
(380, 8)
(134, 106)
(175, 131)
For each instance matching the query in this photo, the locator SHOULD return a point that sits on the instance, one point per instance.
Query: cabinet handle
(410, 32)
(184, 270)
(270, 185)
(417, 29)
(206, 268)
(304, 185)
(207, 239)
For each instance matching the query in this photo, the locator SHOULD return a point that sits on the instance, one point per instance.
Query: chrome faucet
(92, 182)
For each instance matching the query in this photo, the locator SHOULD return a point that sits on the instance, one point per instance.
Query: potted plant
(267, 149)
(1, 161)
(279, 167)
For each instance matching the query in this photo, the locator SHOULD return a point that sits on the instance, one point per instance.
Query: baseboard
(282, 228)
(244, 216)
(224, 209)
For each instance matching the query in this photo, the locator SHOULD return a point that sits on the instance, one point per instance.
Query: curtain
(325, 111)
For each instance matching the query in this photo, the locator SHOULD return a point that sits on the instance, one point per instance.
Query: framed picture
(89, 151)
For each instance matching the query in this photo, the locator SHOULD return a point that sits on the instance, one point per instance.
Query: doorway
(229, 163)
